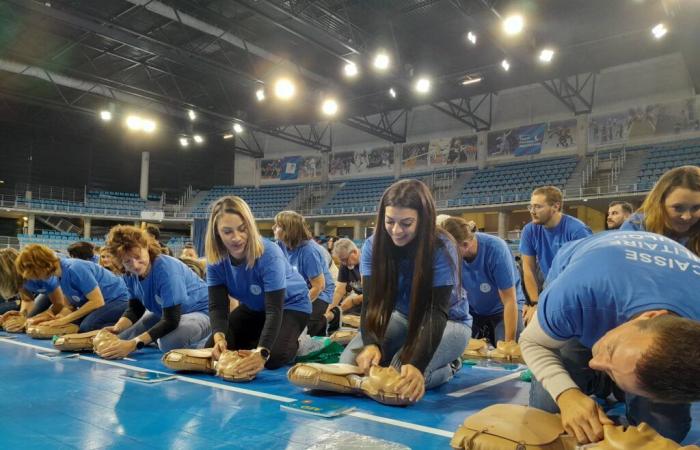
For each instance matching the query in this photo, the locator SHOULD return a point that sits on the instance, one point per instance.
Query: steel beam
(468, 110)
(388, 125)
(576, 92)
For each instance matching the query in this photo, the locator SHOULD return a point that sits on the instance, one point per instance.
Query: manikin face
(401, 224)
(541, 211)
(619, 350)
(683, 209)
(137, 261)
(233, 233)
(641, 437)
(616, 217)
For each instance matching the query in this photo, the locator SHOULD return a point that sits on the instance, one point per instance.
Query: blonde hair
(36, 262)
(460, 229)
(214, 248)
(655, 216)
(294, 228)
(10, 280)
(552, 194)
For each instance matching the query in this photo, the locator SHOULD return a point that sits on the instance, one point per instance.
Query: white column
(503, 224)
(481, 149)
(87, 225)
(317, 228)
(357, 230)
(398, 155)
(30, 224)
(582, 122)
(145, 162)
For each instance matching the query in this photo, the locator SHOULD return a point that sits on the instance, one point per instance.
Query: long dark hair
(383, 284)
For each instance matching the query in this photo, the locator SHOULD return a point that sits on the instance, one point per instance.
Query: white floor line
(484, 385)
(279, 398)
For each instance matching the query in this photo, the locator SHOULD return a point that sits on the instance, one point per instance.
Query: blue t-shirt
(492, 269)
(170, 282)
(636, 223)
(271, 272)
(79, 277)
(598, 283)
(542, 242)
(445, 273)
(308, 260)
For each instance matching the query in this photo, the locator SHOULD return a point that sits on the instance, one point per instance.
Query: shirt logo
(159, 300)
(485, 288)
(76, 299)
(255, 289)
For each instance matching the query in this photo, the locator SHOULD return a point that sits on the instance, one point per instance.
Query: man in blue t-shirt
(618, 307)
(542, 238)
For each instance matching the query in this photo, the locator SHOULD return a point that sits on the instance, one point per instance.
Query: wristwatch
(265, 353)
(140, 344)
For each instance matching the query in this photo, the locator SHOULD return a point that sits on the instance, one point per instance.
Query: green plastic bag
(329, 354)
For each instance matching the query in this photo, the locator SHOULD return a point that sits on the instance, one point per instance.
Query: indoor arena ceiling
(212, 56)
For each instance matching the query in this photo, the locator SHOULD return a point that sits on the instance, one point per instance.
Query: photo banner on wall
(290, 167)
(560, 134)
(520, 141)
(415, 155)
(362, 161)
(270, 169)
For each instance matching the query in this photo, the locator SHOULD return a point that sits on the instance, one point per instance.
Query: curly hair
(37, 262)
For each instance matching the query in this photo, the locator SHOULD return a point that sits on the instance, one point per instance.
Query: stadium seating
(265, 201)
(55, 239)
(665, 157)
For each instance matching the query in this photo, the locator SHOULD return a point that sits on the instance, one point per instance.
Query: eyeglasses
(535, 207)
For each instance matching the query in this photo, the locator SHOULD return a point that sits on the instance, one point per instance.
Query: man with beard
(542, 238)
(618, 212)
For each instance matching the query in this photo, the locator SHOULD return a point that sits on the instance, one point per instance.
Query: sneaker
(456, 365)
(307, 344)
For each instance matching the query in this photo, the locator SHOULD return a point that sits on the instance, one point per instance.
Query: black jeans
(245, 326)
(317, 321)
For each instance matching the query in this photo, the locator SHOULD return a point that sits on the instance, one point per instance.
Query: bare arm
(510, 312)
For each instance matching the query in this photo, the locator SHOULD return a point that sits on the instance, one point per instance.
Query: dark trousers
(670, 420)
(245, 326)
(41, 304)
(9, 305)
(317, 321)
(104, 316)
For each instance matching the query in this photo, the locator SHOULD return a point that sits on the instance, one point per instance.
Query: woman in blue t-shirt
(414, 316)
(672, 208)
(167, 300)
(492, 281)
(80, 291)
(274, 305)
(306, 257)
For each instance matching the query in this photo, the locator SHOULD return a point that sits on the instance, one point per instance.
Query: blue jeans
(8, 305)
(104, 316)
(439, 371)
(41, 304)
(670, 420)
(192, 332)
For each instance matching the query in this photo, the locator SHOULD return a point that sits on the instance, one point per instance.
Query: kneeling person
(169, 303)
(618, 307)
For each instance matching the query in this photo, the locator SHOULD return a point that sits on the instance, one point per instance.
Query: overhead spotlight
(184, 142)
(260, 94)
(198, 139)
(513, 25)
(228, 136)
(191, 114)
(148, 126)
(546, 55)
(25, 218)
(284, 89)
(134, 123)
(422, 86)
(506, 65)
(381, 61)
(471, 79)
(329, 107)
(350, 70)
(659, 31)
(471, 37)
(392, 93)
(105, 115)
(237, 128)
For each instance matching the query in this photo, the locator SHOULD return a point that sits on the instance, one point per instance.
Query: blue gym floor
(84, 404)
